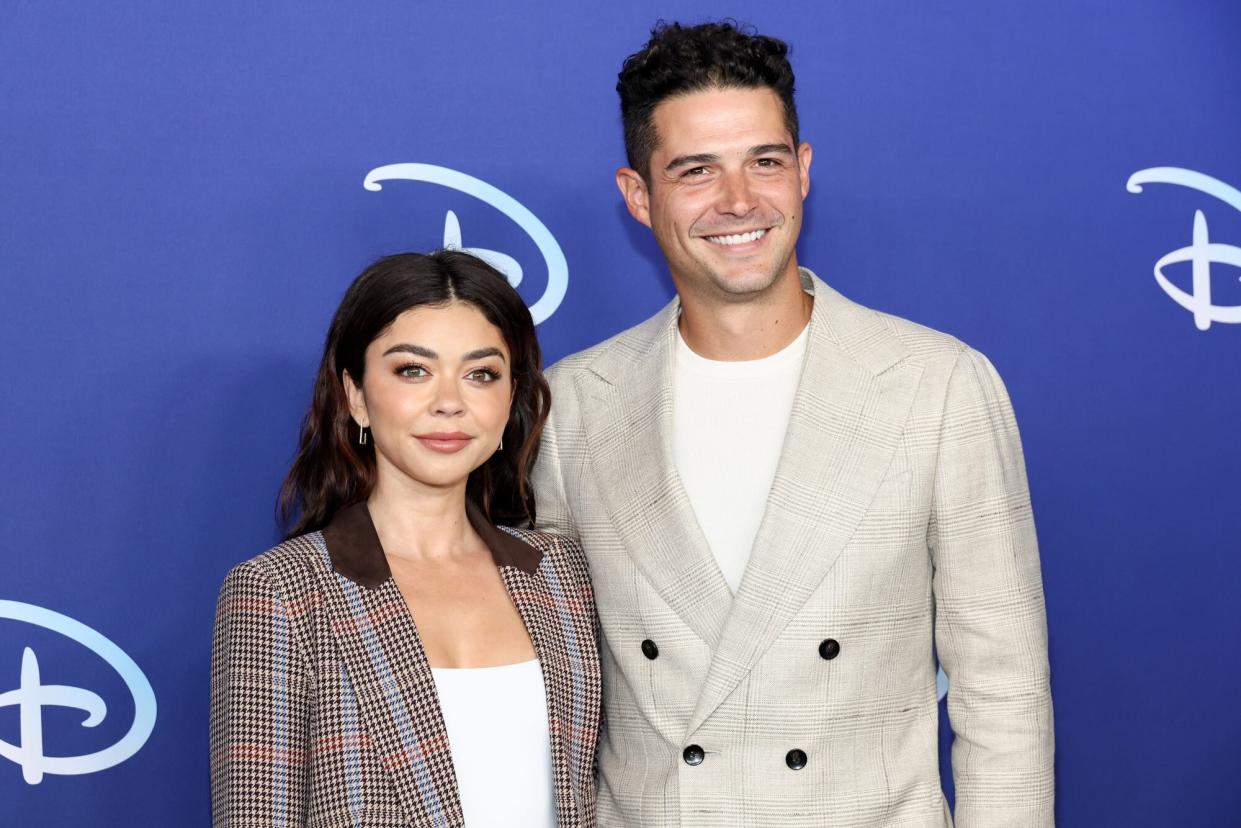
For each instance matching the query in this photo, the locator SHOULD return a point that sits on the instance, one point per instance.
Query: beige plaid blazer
(898, 525)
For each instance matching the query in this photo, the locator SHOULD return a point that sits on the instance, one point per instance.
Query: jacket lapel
(849, 411)
(396, 695)
(627, 412)
(534, 602)
(526, 573)
(392, 680)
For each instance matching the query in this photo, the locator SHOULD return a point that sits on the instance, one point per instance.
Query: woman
(399, 659)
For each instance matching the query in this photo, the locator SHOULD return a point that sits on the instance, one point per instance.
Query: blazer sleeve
(259, 707)
(552, 510)
(990, 622)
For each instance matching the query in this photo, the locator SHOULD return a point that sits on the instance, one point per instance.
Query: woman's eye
(482, 375)
(412, 371)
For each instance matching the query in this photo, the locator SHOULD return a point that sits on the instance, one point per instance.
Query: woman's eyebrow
(427, 353)
(485, 352)
(409, 348)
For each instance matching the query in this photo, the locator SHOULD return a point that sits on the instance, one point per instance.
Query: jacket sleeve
(990, 624)
(259, 707)
(552, 510)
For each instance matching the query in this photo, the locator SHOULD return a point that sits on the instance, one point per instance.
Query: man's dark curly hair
(681, 59)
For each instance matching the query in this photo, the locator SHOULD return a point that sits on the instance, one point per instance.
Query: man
(789, 503)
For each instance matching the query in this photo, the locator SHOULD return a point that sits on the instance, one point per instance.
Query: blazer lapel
(848, 414)
(526, 572)
(533, 600)
(392, 681)
(627, 412)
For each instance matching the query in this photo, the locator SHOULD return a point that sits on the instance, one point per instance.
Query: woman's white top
(500, 742)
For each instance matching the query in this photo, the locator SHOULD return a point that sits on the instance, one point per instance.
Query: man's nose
(736, 194)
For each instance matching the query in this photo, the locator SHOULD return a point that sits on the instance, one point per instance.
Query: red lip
(446, 442)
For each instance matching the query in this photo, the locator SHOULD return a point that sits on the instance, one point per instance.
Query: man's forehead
(731, 119)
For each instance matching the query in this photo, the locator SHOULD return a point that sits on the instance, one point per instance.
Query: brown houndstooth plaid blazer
(323, 706)
(898, 523)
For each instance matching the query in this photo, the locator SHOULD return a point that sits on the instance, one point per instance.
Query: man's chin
(743, 285)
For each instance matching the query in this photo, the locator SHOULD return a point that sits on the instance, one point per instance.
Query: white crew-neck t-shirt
(501, 744)
(728, 425)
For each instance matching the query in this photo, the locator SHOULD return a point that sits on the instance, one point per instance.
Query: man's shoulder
(923, 342)
(617, 350)
(861, 329)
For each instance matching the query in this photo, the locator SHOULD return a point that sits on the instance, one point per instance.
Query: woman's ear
(357, 400)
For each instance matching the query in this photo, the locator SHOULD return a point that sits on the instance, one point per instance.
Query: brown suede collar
(356, 553)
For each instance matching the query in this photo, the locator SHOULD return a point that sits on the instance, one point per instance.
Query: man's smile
(733, 239)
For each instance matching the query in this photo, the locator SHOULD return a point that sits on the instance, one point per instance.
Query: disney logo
(32, 696)
(1201, 252)
(553, 256)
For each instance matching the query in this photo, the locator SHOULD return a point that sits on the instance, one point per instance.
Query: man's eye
(696, 171)
(769, 162)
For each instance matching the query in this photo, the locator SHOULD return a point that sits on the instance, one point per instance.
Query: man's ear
(637, 198)
(357, 401)
(804, 156)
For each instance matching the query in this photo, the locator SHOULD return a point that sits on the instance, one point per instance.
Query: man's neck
(746, 330)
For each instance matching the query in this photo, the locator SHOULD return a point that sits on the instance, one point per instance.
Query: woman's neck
(422, 524)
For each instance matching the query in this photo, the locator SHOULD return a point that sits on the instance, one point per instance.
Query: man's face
(725, 192)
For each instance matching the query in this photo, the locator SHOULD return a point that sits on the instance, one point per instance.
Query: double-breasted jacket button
(829, 649)
(693, 755)
(650, 650)
(795, 759)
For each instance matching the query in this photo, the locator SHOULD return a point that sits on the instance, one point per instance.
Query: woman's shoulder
(546, 542)
(288, 567)
(563, 551)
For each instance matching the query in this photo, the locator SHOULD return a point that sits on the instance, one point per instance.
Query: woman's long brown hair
(332, 471)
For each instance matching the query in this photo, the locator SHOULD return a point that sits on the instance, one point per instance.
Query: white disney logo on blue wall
(1201, 252)
(32, 696)
(557, 267)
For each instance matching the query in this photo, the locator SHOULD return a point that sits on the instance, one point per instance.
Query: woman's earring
(361, 435)
(501, 448)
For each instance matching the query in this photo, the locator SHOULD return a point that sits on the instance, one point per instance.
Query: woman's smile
(448, 442)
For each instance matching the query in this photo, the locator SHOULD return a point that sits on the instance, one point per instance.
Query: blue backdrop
(182, 203)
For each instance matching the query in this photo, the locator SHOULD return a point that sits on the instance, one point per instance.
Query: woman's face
(436, 395)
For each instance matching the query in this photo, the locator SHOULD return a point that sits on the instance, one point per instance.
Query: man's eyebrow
(416, 350)
(485, 352)
(770, 149)
(687, 160)
(710, 157)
